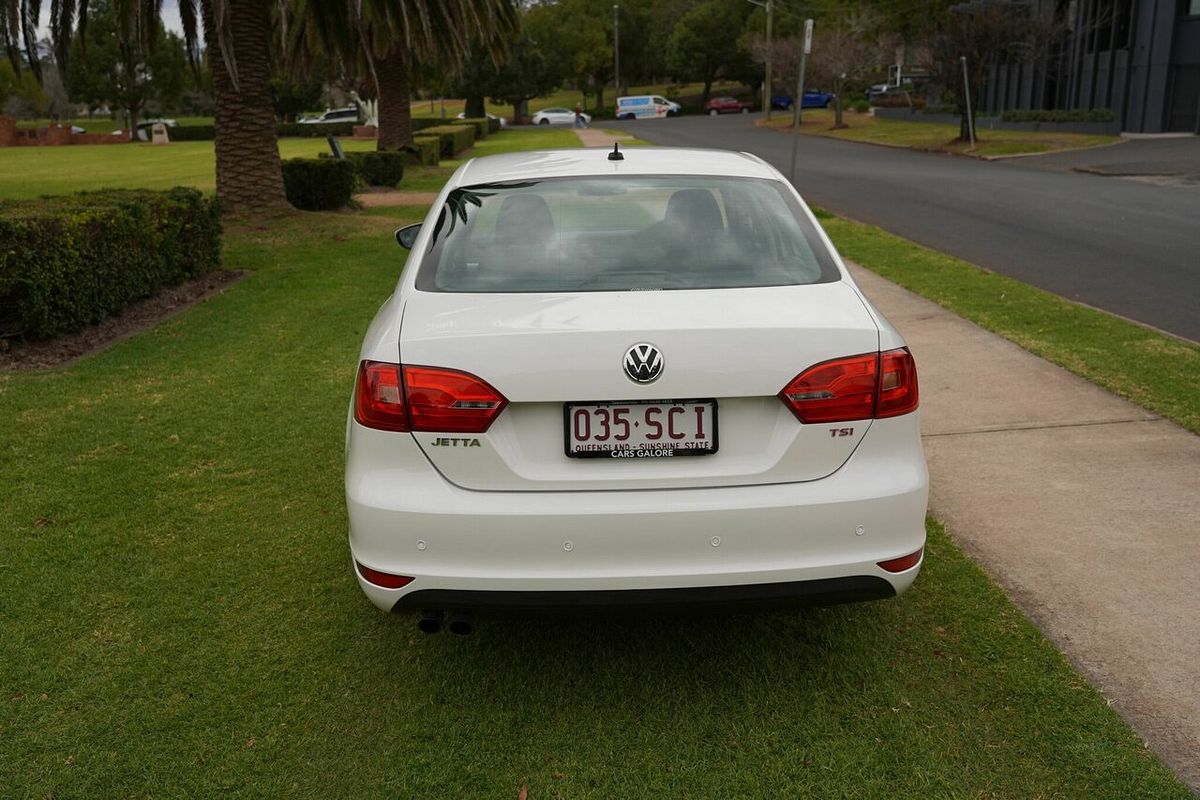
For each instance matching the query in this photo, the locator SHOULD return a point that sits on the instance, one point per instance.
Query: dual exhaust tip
(460, 623)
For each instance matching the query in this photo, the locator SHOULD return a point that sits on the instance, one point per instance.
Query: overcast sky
(170, 16)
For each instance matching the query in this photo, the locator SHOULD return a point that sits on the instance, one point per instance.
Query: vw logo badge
(643, 363)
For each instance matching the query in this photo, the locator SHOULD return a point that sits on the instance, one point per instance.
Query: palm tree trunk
(395, 98)
(249, 176)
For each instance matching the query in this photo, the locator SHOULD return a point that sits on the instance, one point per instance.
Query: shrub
(861, 106)
(319, 184)
(1059, 115)
(425, 151)
(422, 123)
(899, 100)
(493, 124)
(379, 168)
(71, 261)
(315, 130)
(482, 128)
(454, 138)
(192, 133)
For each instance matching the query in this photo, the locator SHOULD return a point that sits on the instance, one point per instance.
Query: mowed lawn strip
(1156, 371)
(180, 618)
(935, 136)
(34, 171)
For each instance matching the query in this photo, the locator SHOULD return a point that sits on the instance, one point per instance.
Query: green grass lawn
(180, 618)
(1158, 372)
(936, 136)
(33, 171)
(179, 615)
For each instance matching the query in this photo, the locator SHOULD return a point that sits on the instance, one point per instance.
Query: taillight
(897, 384)
(867, 386)
(379, 397)
(385, 579)
(392, 397)
(449, 400)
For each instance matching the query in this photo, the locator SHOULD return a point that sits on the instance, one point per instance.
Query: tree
(384, 39)
(704, 41)
(846, 47)
(20, 94)
(122, 72)
(983, 31)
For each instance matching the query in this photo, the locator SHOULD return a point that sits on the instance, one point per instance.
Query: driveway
(1173, 161)
(1125, 246)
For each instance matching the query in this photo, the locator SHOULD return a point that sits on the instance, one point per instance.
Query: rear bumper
(826, 591)
(818, 541)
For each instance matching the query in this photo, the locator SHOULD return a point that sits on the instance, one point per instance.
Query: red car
(727, 105)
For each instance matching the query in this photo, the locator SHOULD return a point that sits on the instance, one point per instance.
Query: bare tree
(985, 32)
(847, 47)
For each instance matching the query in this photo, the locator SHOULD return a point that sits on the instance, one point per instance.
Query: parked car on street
(727, 105)
(558, 116)
(647, 106)
(629, 379)
(812, 99)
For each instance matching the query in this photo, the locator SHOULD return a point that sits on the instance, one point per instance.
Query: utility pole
(616, 49)
(767, 88)
(798, 103)
(967, 97)
(769, 5)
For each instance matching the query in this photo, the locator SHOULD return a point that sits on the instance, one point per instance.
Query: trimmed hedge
(1081, 115)
(192, 133)
(70, 261)
(426, 151)
(423, 123)
(315, 130)
(319, 184)
(379, 168)
(454, 138)
(206, 133)
(480, 124)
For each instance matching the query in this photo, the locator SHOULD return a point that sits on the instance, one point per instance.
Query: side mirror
(406, 237)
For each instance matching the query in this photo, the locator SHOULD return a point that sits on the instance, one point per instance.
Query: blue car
(813, 99)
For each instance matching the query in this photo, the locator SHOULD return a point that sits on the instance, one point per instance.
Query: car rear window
(617, 233)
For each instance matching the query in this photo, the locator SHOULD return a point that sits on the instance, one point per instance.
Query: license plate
(654, 429)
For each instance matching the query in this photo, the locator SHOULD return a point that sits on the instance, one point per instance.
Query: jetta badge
(643, 363)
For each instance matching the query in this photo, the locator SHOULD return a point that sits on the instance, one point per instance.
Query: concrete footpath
(1084, 507)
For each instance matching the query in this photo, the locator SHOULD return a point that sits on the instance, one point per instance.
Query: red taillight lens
(385, 579)
(449, 400)
(897, 384)
(379, 397)
(868, 386)
(834, 391)
(428, 399)
(904, 562)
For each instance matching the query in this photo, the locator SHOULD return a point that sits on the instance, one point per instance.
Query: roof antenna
(616, 155)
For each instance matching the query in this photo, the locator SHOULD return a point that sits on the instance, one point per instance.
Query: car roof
(586, 161)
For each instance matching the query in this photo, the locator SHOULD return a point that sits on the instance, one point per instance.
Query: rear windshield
(622, 233)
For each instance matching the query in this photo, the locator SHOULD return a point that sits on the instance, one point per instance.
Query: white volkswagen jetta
(639, 378)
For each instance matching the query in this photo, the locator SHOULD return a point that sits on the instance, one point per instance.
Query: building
(1138, 58)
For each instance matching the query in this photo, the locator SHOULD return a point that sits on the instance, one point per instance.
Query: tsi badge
(643, 363)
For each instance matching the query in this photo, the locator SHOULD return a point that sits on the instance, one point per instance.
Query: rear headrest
(524, 218)
(695, 209)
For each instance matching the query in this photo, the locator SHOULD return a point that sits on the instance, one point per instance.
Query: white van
(646, 106)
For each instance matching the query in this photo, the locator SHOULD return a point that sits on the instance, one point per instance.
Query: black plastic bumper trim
(826, 591)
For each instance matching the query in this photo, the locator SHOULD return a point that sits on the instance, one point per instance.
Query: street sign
(808, 26)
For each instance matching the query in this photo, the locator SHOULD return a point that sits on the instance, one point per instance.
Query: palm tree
(383, 39)
(249, 177)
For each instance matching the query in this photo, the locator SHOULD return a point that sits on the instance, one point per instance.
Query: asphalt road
(1126, 246)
